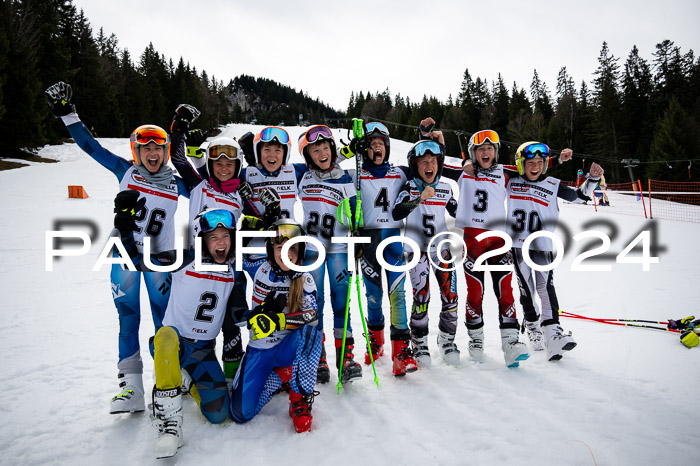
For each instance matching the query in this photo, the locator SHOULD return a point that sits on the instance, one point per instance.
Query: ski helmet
(223, 147)
(375, 129)
(284, 229)
(272, 134)
(149, 133)
(480, 138)
(530, 150)
(209, 220)
(421, 149)
(313, 135)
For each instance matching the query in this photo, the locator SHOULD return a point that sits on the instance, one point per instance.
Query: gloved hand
(245, 190)
(269, 198)
(246, 143)
(58, 96)
(194, 140)
(184, 116)
(250, 223)
(127, 205)
(268, 316)
(345, 217)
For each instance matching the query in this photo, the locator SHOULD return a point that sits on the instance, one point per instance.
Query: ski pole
(615, 322)
(364, 324)
(345, 331)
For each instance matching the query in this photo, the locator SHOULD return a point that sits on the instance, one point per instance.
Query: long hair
(296, 288)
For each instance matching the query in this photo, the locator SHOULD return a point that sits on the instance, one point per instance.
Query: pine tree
(674, 140)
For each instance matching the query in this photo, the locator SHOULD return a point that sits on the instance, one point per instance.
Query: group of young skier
(206, 293)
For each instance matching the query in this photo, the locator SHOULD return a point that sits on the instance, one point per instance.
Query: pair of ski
(358, 132)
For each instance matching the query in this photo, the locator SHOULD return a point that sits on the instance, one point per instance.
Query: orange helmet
(149, 133)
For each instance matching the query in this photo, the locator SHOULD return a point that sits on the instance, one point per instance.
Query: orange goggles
(147, 135)
(486, 135)
(216, 152)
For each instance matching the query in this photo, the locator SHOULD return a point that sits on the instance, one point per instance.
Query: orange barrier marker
(77, 192)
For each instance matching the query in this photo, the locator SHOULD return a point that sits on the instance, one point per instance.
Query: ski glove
(357, 147)
(269, 198)
(59, 96)
(184, 116)
(690, 337)
(246, 143)
(245, 189)
(345, 217)
(681, 324)
(250, 223)
(268, 316)
(194, 140)
(127, 206)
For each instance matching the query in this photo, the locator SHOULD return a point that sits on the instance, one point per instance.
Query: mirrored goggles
(535, 150)
(216, 152)
(427, 147)
(375, 127)
(486, 135)
(273, 132)
(147, 135)
(317, 132)
(210, 219)
(285, 232)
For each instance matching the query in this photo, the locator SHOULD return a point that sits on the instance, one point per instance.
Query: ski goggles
(535, 150)
(486, 135)
(218, 151)
(209, 220)
(426, 147)
(286, 231)
(146, 135)
(314, 135)
(271, 133)
(375, 127)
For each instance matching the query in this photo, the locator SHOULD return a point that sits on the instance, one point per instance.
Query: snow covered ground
(622, 396)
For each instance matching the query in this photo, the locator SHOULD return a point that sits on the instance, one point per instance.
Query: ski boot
(300, 410)
(351, 369)
(476, 343)
(130, 399)
(167, 418)
(323, 375)
(420, 351)
(376, 343)
(448, 348)
(534, 334)
(556, 342)
(402, 356)
(514, 350)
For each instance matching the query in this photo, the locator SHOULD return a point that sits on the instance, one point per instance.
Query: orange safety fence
(617, 198)
(674, 200)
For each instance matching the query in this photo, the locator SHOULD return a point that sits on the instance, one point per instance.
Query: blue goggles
(426, 147)
(209, 220)
(535, 150)
(375, 127)
(271, 133)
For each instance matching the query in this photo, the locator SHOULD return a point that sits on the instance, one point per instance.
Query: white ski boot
(448, 348)
(167, 418)
(514, 351)
(186, 381)
(420, 351)
(476, 343)
(130, 399)
(534, 334)
(557, 342)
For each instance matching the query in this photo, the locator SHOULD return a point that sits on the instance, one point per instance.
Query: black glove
(245, 190)
(358, 146)
(59, 96)
(269, 198)
(246, 143)
(193, 140)
(184, 116)
(127, 206)
(268, 316)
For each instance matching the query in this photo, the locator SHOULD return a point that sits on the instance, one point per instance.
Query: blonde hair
(294, 300)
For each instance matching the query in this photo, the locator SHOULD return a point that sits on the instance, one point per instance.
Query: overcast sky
(329, 49)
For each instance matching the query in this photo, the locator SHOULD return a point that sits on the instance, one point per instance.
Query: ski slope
(623, 396)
